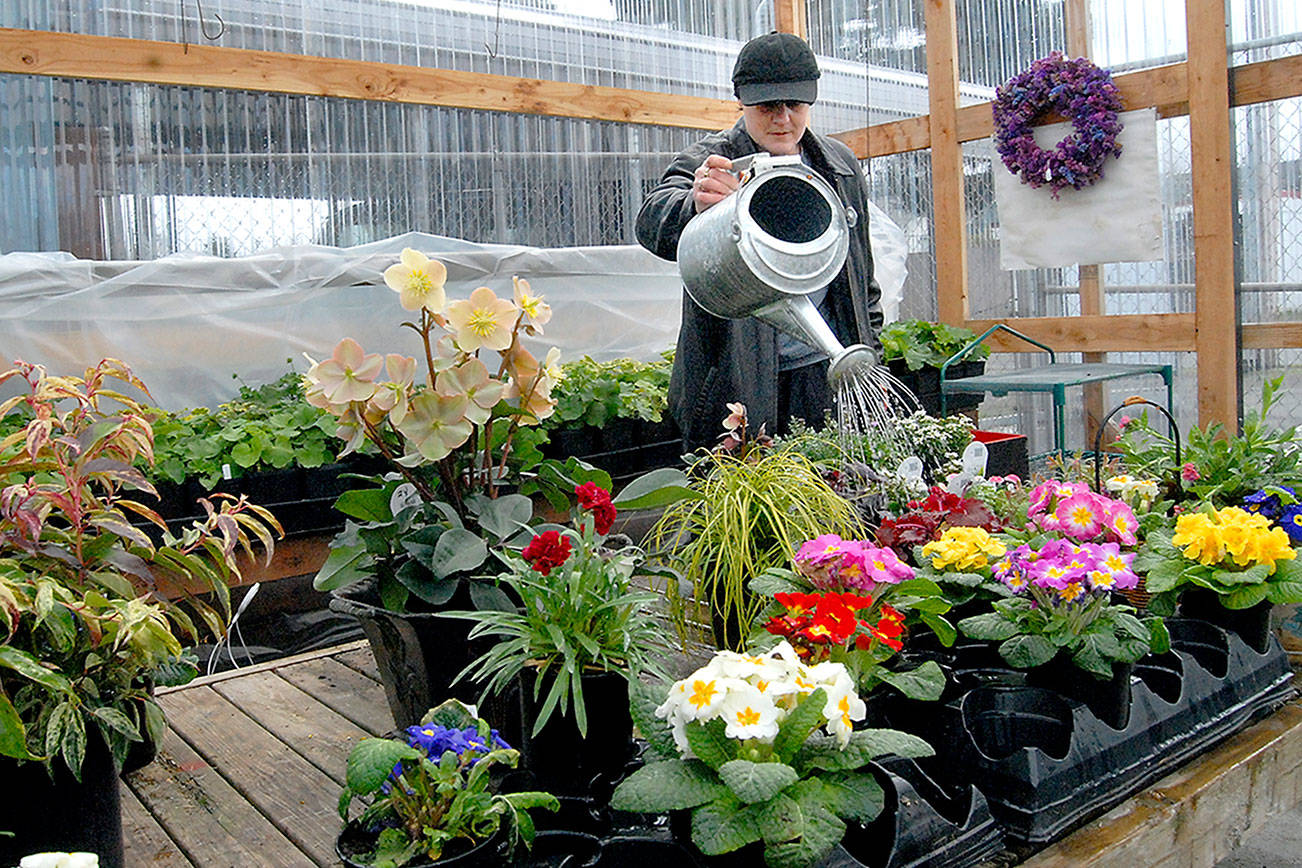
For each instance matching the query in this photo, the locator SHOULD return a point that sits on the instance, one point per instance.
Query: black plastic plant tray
(1046, 763)
(921, 824)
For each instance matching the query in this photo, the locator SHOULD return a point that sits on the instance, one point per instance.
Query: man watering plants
(720, 360)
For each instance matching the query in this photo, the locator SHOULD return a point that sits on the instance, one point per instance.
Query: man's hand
(714, 181)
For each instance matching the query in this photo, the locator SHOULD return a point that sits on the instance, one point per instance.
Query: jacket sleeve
(668, 208)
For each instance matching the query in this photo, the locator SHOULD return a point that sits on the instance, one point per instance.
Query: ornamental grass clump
(1242, 556)
(762, 750)
(431, 793)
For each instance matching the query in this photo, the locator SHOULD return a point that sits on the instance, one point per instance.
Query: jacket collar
(811, 142)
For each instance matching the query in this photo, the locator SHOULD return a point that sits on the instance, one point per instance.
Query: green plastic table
(1053, 378)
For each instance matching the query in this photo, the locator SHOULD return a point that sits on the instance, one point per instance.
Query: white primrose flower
(749, 714)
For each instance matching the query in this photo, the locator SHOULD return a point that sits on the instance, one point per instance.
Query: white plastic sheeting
(194, 327)
(187, 323)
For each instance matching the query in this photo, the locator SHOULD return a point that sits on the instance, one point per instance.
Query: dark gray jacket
(720, 360)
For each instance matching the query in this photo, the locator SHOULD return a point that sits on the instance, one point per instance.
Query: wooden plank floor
(250, 770)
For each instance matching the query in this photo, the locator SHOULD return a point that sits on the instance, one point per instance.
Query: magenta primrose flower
(1070, 570)
(1075, 511)
(837, 564)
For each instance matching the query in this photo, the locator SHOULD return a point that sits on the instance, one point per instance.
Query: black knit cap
(775, 66)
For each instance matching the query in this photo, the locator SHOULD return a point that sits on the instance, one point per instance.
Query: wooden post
(1093, 302)
(1216, 315)
(789, 16)
(950, 230)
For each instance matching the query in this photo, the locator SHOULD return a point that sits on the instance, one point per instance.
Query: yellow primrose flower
(537, 311)
(1198, 538)
(418, 280)
(483, 320)
(964, 548)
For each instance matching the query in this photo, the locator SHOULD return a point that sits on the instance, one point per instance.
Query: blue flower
(1268, 503)
(1291, 521)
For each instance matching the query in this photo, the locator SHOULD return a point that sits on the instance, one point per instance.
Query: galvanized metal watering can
(760, 252)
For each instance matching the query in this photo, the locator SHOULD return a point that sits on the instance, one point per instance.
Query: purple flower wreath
(1075, 89)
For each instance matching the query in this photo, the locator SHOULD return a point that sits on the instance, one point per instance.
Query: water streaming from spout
(869, 402)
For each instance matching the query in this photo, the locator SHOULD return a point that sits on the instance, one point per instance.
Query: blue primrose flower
(438, 740)
(1291, 521)
(1267, 503)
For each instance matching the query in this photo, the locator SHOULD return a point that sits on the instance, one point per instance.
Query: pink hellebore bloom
(483, 321)
(1189, 473)
(435, 425)
(348, 375)
(419, 281)
(351, 429)
(536, 311)
(391, 398)
(472, 380)
(736, 418)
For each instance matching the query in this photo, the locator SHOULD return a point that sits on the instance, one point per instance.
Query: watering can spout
(797, 316)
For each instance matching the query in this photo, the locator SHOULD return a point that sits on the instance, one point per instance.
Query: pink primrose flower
(1189, 473)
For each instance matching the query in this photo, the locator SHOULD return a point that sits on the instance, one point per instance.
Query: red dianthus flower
(596, 500)
(547, 550)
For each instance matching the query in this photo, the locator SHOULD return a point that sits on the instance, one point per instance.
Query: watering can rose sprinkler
(782, 235)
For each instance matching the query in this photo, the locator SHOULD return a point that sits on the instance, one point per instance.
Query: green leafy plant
(267, 427)
(592, 392)
(1218, 465)
(82, 626)
(920, 343)
(780, 768)
(579, 613)
(434, 789)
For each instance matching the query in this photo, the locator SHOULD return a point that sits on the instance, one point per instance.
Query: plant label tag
(226, 471)
(404, 496)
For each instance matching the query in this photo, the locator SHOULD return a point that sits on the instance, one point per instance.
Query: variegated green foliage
(82, 622)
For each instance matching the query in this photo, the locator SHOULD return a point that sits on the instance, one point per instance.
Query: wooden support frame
(948, 219)
(1215, 290)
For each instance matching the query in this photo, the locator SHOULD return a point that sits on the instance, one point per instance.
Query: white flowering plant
(763, 750)
(458, 435)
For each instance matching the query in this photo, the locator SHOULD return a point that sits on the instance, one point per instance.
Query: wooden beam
(1213, 214)
(949, 224)
(1274, 335)
(1127, 333)
(1268, 80)
(106, 58)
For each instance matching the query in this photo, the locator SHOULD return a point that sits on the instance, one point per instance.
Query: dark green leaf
(343, 566)
(795, 729)
(1245, 597)
(366, 504)
(372, 760)
(643, 702)
(723, 825)
(992, 627)
(658, 488)
(1027, 651)
(709, 743)
(854, 795)
(13, 735)
(669, 785)
(926, 682)
(756, 782)
(820, 830)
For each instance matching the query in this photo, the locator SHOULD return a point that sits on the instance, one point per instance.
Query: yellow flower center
(702, 693)
(419, 283)
(748, 716)
(1071, 592)
(1081, 516)
(482, 323)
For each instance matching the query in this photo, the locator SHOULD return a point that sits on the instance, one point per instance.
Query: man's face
(777, 127)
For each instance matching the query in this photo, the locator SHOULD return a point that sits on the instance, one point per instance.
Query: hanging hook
(497, 34)
(203, 26)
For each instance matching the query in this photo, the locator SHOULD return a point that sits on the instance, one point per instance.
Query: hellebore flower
(472, 380)
(536, 311)
(435, 425)
(348, 375)
(483, 320)
(418, 280)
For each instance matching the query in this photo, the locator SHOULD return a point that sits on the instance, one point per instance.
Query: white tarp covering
(1117, 219)
(187, 323)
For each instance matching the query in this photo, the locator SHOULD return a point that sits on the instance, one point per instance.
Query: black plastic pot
(562, 761)
(1107, 698)
(63, 814)
(355, 841)
(418, 654)
(925, 384)
(559, 849)
(1252, 625)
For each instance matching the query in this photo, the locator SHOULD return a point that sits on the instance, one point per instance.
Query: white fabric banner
(1117, 219)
